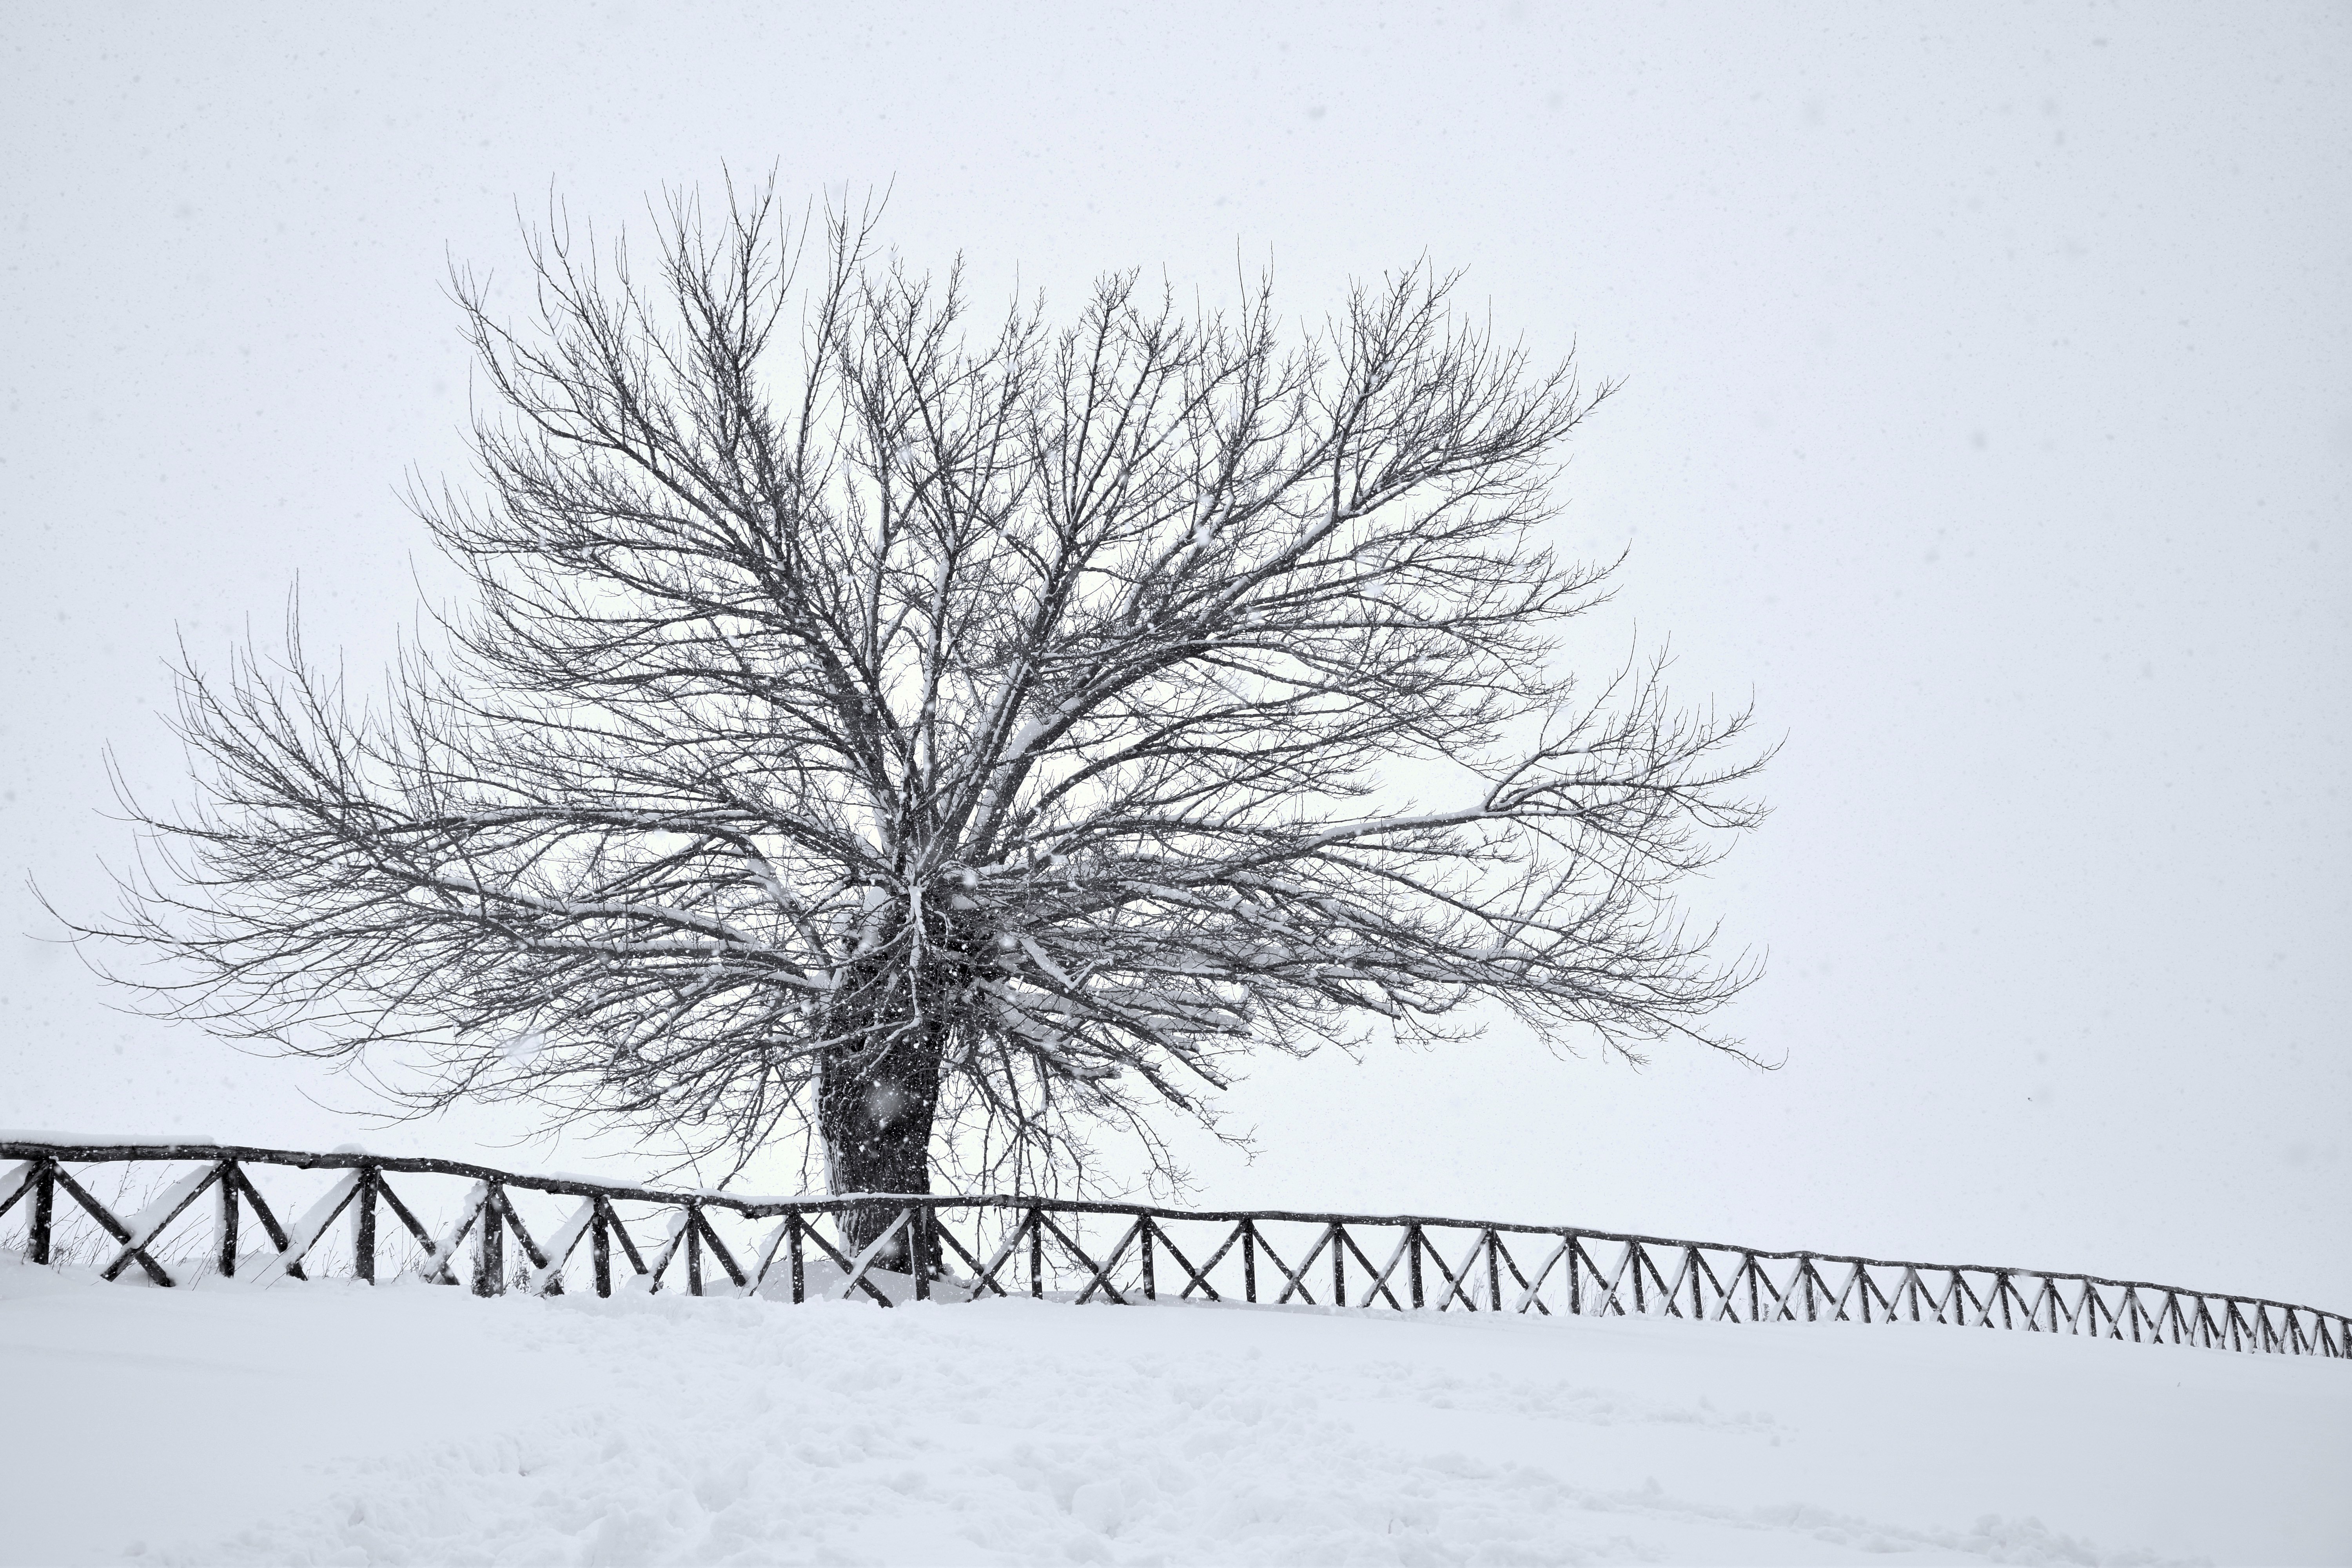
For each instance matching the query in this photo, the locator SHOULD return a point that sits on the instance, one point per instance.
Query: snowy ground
(329, 1422)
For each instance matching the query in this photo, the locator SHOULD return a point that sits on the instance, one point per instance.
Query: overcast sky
(1986, 420)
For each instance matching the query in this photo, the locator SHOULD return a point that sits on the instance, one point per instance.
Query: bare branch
(946, 736)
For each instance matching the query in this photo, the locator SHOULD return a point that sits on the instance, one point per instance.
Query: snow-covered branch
(912, 723)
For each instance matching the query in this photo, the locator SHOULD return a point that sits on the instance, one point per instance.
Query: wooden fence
(646, 1238)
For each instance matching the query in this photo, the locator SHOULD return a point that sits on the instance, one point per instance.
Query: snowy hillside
(329, 1422)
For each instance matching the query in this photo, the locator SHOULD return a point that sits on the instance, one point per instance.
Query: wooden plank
(1378, 1286)
(1612, 1299)
(847, 1268)
(1293, 1281)
(1728, 1310)
(140, 1233)
(1528, 1296)
(440, 1255)
(947, 1238)
(1672, 1294)
(304, 1234)
(986, 1273)
(261, 1211)
(1455, 1285)
(765, 1258)
(1201, 1275)
(735, 1274)
(113, 1226)
(1100, 1281)
(1460, 1282)
(1784, 1304)
(520, 1231)
(1193, 1277)
(400, 1211)
(1723, 1292)
(1082, 1260)
(621, 1234)
(1381, 1275)
(1844, 1293)
(872, 1250)
(16, 1183)
(547, 1279)
(1259, 1241)
(1983, 1308)
(671, 1241)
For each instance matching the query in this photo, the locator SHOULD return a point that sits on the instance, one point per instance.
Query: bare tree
(950, 738)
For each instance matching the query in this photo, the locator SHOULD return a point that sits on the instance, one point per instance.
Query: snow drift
(328, 1422)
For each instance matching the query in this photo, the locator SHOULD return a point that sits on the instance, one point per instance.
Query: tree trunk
(874, 1110)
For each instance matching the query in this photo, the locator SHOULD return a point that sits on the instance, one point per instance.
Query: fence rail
(957, 1247)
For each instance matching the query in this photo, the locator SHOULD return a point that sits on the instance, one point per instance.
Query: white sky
(1987, 417)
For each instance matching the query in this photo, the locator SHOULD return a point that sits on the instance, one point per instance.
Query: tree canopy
(948, 735)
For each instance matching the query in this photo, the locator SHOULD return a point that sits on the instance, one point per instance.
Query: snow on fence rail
(1070, 1250)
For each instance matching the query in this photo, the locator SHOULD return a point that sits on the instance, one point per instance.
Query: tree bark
(875, 1105)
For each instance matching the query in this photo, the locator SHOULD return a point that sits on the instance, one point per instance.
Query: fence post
(1150, 1285)
(800, 1266)
(600, 1249)
(1413, 1245)
(694, 1249)
(45, 1198)
(1338, 1266)
(1249, 1262)
(1036, 1254)
(921, 1249)
(1575, 1283)
(363, 1229)
(1494, 1271)
(227, 1198)
(490, 1246)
